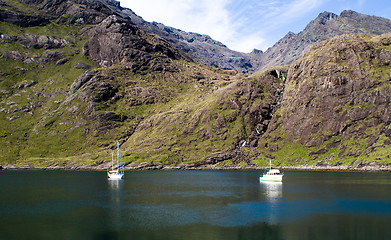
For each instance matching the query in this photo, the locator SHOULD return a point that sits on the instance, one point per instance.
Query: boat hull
(115, 176)
(271, 178)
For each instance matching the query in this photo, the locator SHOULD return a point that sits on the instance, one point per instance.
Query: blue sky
(243, 25)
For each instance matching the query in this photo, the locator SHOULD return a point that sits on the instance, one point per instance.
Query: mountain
(73, 86)
(201, 48)
(208, 51)
(325, 26)
(205, 50)
(84, 75)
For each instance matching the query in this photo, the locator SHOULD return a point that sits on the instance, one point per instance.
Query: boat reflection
(272, 190)
(115, 196)
(114, 184)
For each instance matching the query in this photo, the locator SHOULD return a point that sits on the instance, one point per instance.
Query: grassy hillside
(39, 125)
(68, 92)
(32, 87)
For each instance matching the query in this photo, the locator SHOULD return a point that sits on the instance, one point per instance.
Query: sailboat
(272, 175)
(117, 173)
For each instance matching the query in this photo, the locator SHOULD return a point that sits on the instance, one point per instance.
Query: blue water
(194, 205)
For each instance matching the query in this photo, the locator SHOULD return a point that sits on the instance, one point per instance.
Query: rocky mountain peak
(203, 48)
(324, 17)
(350, 14)
(326, 26)
(287, 50)
(256, 51)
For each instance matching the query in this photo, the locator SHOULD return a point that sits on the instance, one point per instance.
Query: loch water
(194, 205)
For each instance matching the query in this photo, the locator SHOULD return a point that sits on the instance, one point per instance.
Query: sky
(244, 25)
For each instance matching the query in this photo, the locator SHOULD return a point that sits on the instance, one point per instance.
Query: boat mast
(112, 160)
(120, 164)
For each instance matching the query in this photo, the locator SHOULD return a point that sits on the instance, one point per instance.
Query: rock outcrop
(11, 14)
(116, 41)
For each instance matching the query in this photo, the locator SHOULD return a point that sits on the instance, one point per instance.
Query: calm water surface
(194, 205)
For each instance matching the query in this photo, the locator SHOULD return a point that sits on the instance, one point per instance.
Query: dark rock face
(62, 61)
(14, 55)
(204, 49)
(25, 84)
(22, 19)
(80, 81)
(51, 57)
(32, 41)
(110, 116)
(82, 66)
(114, 40)
(92, 87)
(104, 91)
(43, 41)
(46, 58)
(77, 12)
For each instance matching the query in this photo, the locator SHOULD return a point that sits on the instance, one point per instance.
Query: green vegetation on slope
(336, 105)
(67, 95)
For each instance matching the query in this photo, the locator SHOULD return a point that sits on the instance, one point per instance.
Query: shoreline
(370, 167)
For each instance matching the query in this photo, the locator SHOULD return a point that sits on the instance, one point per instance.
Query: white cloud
(201, 16)
(242, 25)
(245, 24)
(210, 17)
(246, 43)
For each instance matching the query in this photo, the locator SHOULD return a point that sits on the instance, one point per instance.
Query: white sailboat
(271, 175)
(117, 173)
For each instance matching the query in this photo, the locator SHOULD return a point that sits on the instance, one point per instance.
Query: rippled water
(194, 205)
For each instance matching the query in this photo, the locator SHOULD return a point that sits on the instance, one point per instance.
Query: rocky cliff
(204, 49)
(335, 108)
(86, 77)
(325, 26)
(199, 47)
(287, 50)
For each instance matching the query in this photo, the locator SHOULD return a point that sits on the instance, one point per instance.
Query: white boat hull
(271, 178)
(115, 175)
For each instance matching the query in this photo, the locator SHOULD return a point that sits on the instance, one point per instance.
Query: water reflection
(272, 190)
(194, 205)
(114, 184)
(272, 195)
(114, 214)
